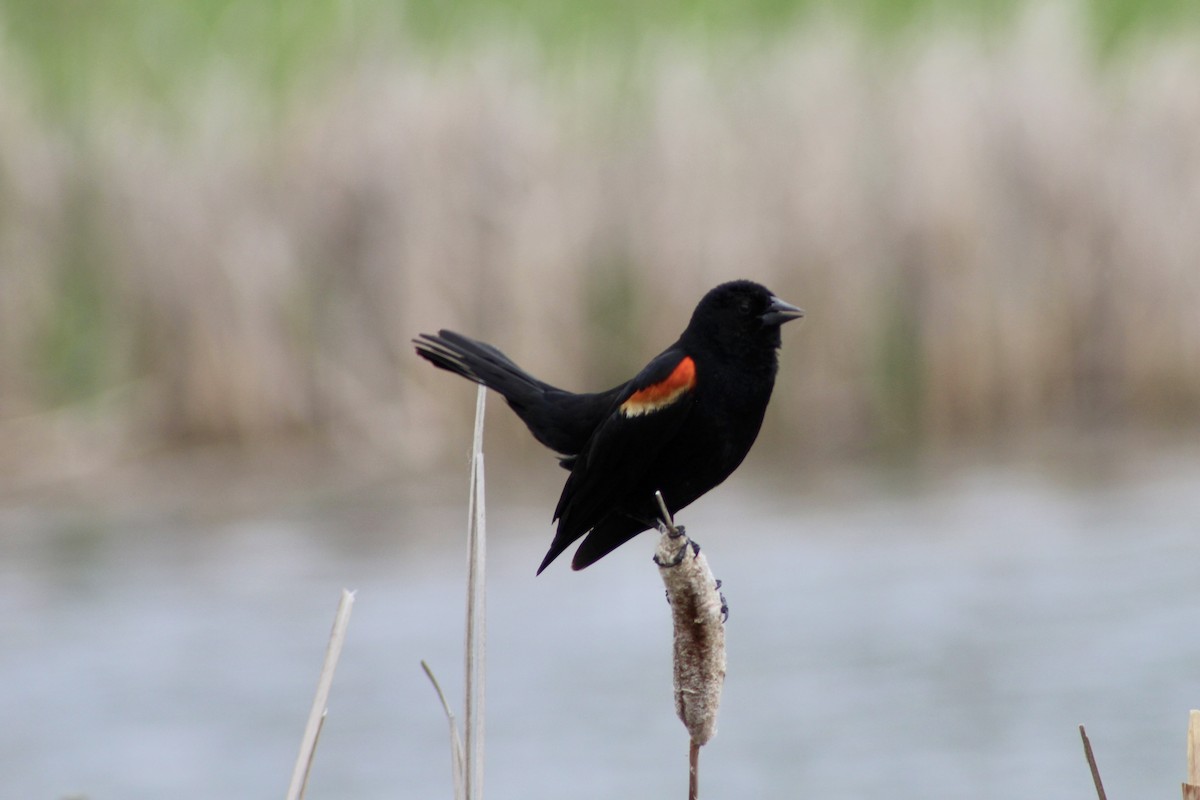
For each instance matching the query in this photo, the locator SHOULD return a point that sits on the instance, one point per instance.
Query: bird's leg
(673, 531)
(665, 521)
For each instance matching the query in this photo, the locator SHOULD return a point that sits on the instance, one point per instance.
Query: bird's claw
(682, 552)
(674, 562)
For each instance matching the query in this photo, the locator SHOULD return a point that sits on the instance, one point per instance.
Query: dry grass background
(990, 234)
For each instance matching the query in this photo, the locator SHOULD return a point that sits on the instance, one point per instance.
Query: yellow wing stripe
(662, 394)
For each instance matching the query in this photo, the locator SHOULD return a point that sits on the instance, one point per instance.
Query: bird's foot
(681, 553)
(676, 560)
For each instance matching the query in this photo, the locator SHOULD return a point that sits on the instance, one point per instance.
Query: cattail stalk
(698, 614)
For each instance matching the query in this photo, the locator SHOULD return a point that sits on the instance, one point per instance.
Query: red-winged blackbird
(681, 426)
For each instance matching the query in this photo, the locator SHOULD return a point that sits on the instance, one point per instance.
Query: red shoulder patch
(662, 394)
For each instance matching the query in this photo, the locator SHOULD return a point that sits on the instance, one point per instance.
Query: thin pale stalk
(456, 745)
(1191, 789)
(320, 706)
(476, 613)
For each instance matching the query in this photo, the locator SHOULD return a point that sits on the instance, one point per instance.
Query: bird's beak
(780, 312)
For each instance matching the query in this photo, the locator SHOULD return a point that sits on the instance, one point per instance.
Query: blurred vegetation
(223, 219)
(152, 50)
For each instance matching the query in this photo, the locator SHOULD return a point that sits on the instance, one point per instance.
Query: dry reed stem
(476, 639)
(320, 706)
(466, 752)
(1091, 760)
(1191, 788)
(457, 767)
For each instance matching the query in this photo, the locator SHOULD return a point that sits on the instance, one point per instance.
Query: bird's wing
(644, 418)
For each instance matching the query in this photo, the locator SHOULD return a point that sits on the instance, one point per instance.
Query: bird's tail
(562, 421)
(608, 534)
(480, 363)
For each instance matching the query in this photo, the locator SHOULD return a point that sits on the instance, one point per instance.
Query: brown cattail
(698, 613)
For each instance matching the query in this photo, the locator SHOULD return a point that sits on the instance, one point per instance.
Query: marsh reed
(989, 234)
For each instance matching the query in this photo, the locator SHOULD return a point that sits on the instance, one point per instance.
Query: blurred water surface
(936, 636)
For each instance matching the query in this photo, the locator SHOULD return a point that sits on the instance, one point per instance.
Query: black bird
(681, 426)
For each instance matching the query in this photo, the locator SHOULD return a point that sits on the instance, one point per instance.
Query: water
(938, 637)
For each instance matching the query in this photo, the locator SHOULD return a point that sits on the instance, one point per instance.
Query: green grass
(144, 49)
(75, 341)
(147, 49)
(899, 394)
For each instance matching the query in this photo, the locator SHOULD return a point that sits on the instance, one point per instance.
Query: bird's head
(740, 318)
